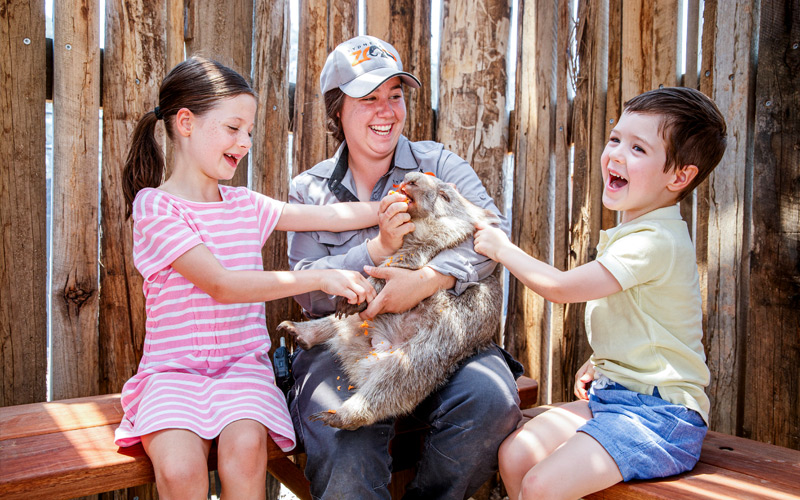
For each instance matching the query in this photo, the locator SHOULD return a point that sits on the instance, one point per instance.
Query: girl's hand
(583, 378)
(348, 284)
(489, 240)
(394, 223)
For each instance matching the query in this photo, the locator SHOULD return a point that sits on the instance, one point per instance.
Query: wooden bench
(65, 449)
(730, 467)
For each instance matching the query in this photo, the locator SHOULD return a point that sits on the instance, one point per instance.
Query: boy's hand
(393, 221)
(489, 240)
(348, 284)
(583, 378)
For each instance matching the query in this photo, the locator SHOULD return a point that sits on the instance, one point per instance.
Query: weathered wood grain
(528, 320)
(324, 24)
(76, 105)
(772, 377)
(270, 170)
(472, 120)
(727, 271)
(133, 68)
(588, 117)
(23, 205)
(406, 24)
(122, 315)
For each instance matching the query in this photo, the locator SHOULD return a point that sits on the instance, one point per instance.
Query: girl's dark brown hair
(196, 84)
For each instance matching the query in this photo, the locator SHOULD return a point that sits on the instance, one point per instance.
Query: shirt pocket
(348, 238)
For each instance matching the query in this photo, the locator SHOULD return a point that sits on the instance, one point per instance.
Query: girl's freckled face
(222, 136)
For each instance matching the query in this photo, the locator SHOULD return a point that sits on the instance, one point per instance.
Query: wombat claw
(344, 308)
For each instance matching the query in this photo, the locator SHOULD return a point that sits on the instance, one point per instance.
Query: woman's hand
(348, 284)
(404, 288)
(489, 240)
(394, 223)
(583, 379)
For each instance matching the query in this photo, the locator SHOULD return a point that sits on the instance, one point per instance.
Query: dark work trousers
(469, 418)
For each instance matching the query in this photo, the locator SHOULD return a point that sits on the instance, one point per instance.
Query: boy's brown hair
(691, 125)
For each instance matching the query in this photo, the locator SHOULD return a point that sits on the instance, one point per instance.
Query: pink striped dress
(205, 364)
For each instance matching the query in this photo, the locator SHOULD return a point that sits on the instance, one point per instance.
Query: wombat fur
(396, 360)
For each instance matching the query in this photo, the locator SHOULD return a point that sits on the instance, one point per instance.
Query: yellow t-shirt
(650, 334)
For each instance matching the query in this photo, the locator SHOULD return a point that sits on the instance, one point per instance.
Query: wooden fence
(745, 218)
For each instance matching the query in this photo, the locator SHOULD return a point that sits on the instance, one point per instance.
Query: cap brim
(368, 82)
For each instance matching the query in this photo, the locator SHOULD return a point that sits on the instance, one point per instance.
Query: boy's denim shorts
(646, 436)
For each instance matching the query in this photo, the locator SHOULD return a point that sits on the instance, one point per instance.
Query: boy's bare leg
(180, 461)
(242, 460)
(536, 441)
(555, 477)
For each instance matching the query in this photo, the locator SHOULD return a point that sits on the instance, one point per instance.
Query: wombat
(396, 360)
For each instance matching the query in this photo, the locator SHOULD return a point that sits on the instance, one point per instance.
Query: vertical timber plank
(76, 105)
(528, 315)
(406, 24)
(635, 69)
(269, 158)
(691, 79)
(588, 134)
(324, 24)
(772, 378)
(614, 85)
(472, 119)
(23, 204)
(665, 44)
(727, 205)
(566, 76)
(133, 68)
(223, 31)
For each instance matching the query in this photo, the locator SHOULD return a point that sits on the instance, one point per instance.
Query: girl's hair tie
(157, 112)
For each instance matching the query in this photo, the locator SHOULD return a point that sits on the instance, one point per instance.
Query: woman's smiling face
(373, 124)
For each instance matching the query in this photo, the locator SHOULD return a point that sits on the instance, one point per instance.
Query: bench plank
(730, 467)
(65, 449)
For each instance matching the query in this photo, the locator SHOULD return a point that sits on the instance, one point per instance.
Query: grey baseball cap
(360, 65)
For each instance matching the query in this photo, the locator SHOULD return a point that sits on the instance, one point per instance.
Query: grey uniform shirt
(331, 181)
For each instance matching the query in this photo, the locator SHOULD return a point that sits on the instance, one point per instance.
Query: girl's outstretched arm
(199, 266)
(335, 217)
(587, 282)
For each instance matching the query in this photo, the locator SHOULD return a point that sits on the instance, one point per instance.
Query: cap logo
(370, 52)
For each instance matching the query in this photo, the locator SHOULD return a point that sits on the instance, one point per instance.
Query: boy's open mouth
(616, 181)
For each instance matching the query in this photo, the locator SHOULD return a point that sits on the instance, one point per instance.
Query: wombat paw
(290, 328)
(334, 419)
(344, 308)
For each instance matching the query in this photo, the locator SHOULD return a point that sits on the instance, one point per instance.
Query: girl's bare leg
(180, 461)
(242, 460)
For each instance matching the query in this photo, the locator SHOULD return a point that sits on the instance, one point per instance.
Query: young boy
(646, 413)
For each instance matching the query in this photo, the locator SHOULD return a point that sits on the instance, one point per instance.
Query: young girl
(205, 373)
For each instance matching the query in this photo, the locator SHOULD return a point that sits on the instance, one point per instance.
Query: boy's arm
(335, 217)
(587, 282)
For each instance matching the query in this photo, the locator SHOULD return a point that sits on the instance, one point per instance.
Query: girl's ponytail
(144, 166)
